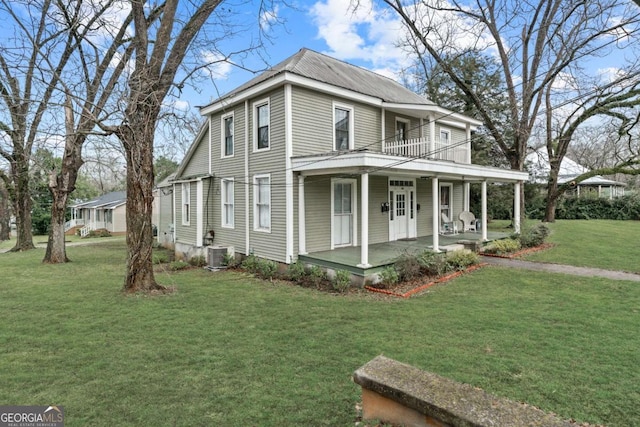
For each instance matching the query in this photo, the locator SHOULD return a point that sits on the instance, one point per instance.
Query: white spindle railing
(421, 147)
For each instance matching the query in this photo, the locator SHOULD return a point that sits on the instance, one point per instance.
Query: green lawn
(613, 245)
(229, 350)
(37, 240)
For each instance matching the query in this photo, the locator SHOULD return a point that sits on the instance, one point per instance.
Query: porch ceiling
(385, 164)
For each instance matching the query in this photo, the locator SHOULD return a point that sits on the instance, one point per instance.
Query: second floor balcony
(429, 149)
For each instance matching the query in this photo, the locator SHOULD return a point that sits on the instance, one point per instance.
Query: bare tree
(617, 100)
(26, 91)
(535, 41)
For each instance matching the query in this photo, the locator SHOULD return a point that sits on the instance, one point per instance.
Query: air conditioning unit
(215, 256)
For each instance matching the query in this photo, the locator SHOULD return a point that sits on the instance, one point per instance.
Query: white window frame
(256, 211)
(256, 105)
(350, 109)
(186, 203)
(445, 132)
(223, 144)
(224, 193)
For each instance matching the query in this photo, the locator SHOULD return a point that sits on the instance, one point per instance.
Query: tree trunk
(5, 216)
(138, 142)
(552, 190)
(22, 205)
(56, 249)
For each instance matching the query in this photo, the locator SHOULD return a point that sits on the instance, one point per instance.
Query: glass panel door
(342, 214)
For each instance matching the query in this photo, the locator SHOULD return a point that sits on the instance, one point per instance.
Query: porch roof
(363, 161)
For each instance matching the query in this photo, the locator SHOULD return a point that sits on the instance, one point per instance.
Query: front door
(343, 220)
(400, 215)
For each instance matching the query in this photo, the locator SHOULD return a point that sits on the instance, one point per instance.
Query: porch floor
(383, 254)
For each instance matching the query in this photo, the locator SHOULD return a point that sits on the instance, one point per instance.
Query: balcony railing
(422, 147)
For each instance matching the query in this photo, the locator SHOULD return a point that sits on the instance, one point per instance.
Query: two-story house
(317, 156)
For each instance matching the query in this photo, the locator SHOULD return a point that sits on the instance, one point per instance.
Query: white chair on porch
(448, 226)
(469, 221)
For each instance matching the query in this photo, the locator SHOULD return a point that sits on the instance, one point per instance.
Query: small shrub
(342, 280)
(229, 260)
(502, 247)
(432, 263)
(459, 260)
(316, 276)
(408, 267)
(99, 233)
(178, 265)
(266, 269)
(534, 236)
(296, 272)
(250, 264)
(160, 257)
(388, 277)
(198, 261)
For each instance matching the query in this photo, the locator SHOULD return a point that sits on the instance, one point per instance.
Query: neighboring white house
(317, 155)
(162, 214)
(105, 212)
(538, 165)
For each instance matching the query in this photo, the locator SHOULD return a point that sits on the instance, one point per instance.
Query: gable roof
(538, 164)
(325, 69)
(106, 201)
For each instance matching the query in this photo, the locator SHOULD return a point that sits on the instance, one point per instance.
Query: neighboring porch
(383, 254)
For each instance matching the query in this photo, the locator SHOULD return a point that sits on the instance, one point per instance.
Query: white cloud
(217, 68)
(269, 18)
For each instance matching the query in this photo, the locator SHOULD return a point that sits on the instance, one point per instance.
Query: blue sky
(365, 38)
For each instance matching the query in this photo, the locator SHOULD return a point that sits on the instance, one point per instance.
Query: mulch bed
(408, 289)
(521, 252)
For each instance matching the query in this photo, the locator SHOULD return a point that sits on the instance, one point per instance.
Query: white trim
(444, 131)
(354, 208)
(186, 216)
(364, 243)
(412, 223)
(435, 212)
(344, 107)
(254, 110)
(483, 209)
(223, 200)
(288, 137)
(199, 213)
(223, 142)
(210, 145)
(256, 213)
(516, 207)
(302, 221)
(247, 185)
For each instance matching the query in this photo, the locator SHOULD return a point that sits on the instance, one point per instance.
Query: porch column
(484, 211)
(516, 207)
(466, 190)
(435, 210)
(199, 213)
(302, 226)
(432, 136)
(364, 235)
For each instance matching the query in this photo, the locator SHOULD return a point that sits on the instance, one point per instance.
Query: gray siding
(317, 194)
(186, 233)
(199, 161)
(313, 118)
(272, 244)
(413, 127)
(378, 221)
(424, 219)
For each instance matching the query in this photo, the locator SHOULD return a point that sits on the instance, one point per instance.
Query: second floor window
(262, 125)
(342, 120)
(401, 130)
(227, 132)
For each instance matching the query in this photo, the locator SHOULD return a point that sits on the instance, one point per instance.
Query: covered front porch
(384, 254)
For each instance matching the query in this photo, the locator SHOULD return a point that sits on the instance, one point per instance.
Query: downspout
(288, 141)
(246, 176)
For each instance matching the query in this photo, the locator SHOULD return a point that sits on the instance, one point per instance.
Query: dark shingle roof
(106, 201)
(316, 66)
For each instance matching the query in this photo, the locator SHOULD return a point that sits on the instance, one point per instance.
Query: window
(186, 202)
(401, 130)
(227, 203)
(227, 135)
(343, 126)
(445, 137)
(262, 125)
(262, 203)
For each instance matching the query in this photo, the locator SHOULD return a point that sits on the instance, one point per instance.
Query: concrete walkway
(561, 269)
